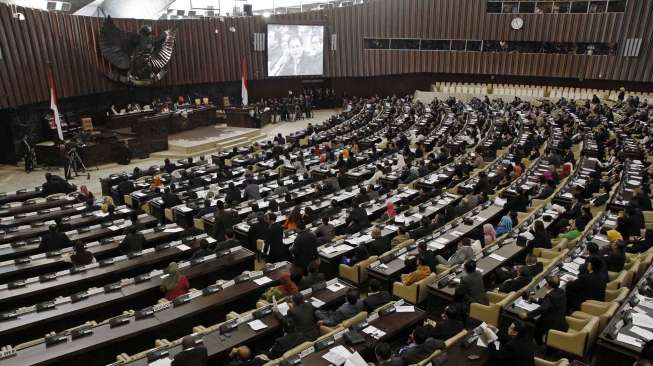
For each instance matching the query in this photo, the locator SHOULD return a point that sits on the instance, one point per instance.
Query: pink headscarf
(548, 175)
(391, 210)
(83, 189)
(489, 234)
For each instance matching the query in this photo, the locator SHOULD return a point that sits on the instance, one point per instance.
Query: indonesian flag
(243, 79)
(53, 102)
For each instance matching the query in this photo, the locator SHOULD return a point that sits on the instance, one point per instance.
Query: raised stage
(208, 139)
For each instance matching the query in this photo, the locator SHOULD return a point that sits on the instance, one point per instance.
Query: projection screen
(295, 50)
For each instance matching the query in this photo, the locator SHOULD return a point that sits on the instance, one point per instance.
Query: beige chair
(448, 343)
(169, 214)
(344, 324)
(616, 296)
(560, 362)
(577, 339)
(415, 293)
(297, 349)
(603, 311)
(356, 273)
(198, 223)
(492, 312)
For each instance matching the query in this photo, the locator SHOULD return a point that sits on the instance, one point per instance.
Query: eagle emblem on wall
(137, 58)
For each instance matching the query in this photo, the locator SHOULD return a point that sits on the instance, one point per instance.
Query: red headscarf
(391, 210)
(83, 189)
(287, 285)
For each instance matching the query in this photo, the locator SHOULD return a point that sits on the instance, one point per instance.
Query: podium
(247, 117)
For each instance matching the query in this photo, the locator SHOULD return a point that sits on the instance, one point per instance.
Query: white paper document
(316, 302)
(335, 287)
(629, 340)
(337, 355)
(643, 333)
(257, 325)
(355, 360)
(262, 280)
(283, 308)
(161, 362)
(114, 228)
(497, 257)
(174, 230)
(183, 247)
(528, 306)
(405, 309)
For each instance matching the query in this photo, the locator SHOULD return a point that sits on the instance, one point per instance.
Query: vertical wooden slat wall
(204, 56)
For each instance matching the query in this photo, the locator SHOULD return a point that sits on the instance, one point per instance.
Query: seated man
(514, 349)
(401, 237)
(228, 242)
(351, 307)
(313, 276)
(471, 287)
(54, 240)
(379, 244)
(420, 347)
(242, 356)
(134, 241)
(449, 325)
(303, 314)
(377, 296)
(515, 284)
(203, 251)
(291, 338)
(384, 356)
(422, 271)
(462, 254)
(191, 355)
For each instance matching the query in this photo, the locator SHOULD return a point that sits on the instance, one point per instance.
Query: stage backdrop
(207, 51)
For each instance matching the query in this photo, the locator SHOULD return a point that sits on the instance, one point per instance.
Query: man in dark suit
(423, 230)
(170, 199)
(257, 231)
(379, 244)
(384, 356)
(588, 286)
(421, 347)
(533, 267)
(357, 219)
(313, 276)
(277, 251)
(304, 249)
(233, 195)
(303, 314)
(134, 241)
(552, 310)
(448, 326)
(290, 339)
(376, 297)
(515, 349)
(223, 220)
(471, 287)
(518, 282)
(54, 240)
(191, 355)
(228, 242)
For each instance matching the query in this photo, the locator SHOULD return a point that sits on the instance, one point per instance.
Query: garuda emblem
(137, 58)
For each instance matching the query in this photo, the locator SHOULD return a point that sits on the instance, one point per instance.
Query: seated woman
(81, 256)
(505, 225)
(489, 235)
(107, 204)
(422, 271)
(293, 220)
(86, 195)
(286, 288)
(174, 284)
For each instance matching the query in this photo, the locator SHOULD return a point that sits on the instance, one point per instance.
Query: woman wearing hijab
(107, 204)
(286, 288)
(566, 170)
(505, 225)
(391, 210)
(489, 234)
(175, 284)
(86, 195)
(81, 256)
(156, 182)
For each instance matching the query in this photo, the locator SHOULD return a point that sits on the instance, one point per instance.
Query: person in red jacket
(175, 284)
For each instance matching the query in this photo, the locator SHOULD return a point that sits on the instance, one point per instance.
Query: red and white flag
(53, 102)
(244, 84)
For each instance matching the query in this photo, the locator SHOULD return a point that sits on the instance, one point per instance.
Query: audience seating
(414, 293)
(578, 339)
(492, 312)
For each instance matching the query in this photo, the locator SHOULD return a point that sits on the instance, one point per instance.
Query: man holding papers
(551, 311)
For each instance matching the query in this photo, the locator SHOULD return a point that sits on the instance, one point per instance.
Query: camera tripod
(74, 163)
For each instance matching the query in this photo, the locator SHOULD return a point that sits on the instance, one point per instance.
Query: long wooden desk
(135, 293)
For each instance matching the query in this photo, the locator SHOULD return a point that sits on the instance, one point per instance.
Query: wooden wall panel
(202, 56)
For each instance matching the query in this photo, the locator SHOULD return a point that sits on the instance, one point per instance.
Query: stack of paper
(317, 303)
(335, 287)
(405, 309)
(337, 355)
(183, 247)
(528, 306)
(374, 331)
